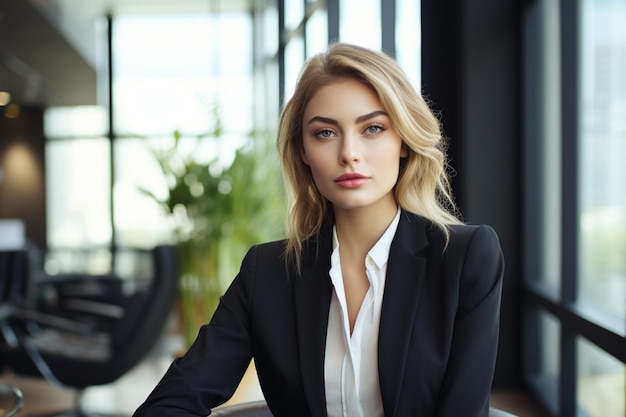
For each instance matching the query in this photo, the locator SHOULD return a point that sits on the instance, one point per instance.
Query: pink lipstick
(351, 180)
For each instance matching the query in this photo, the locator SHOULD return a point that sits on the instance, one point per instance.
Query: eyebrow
(359, 119)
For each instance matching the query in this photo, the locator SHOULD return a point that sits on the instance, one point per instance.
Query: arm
(208, 374)
(467, 383)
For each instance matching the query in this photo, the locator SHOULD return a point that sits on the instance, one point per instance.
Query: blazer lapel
(405, 274)
(312, 294)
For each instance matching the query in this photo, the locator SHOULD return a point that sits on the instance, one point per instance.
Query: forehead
(344, 96)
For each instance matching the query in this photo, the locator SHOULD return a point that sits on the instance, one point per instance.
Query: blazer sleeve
(208, 374)
(467, 382)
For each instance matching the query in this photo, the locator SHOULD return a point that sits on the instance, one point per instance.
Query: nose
(349, 152)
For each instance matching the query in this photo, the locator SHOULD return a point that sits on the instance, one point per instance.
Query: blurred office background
(531, 94)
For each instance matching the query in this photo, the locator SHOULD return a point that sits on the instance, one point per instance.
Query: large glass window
(307, 31)
(172, 74)
(600, 380)
(294, 57)
(409, 39)
(78, 174)
(317, 30)
(602, 193)
(360, 22)
(542, 367)
(575, 210)
(78, 210)
(169, 72)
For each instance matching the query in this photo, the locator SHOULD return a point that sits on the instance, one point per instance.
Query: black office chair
(14, 272)
(12, 263)
(68, 350)
(260, 409)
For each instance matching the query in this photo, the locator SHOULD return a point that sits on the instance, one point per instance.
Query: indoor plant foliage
(219, 212)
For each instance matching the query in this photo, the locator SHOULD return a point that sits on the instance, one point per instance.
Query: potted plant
(219, 212)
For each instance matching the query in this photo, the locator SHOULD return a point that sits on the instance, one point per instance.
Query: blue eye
(324, 133)
(373, 129)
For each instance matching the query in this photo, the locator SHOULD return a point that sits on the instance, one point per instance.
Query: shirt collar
(380, 251)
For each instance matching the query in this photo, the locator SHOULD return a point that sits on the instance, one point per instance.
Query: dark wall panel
(471, 73)
(22, 171)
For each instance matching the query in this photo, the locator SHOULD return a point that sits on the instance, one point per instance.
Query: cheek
(317, 167)
(320, 170)
(389, 161)
(313, 158)
(390, 153)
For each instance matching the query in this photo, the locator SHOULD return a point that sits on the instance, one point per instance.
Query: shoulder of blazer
(271, 249)
(475, 250)
(317, 248)
(460, 237)
(463, 234)
(263, 257)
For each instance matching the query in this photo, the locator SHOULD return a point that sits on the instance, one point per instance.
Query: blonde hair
(423, 186)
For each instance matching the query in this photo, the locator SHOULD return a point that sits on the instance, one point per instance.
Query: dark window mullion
(111, 136)
(388, 26)
(305, 18)
(570, 317)
(534, 113)
(333, 20)
(569, 143)
(569, 197)
(281, 52)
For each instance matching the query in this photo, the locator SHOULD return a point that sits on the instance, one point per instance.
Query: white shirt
(351, 362)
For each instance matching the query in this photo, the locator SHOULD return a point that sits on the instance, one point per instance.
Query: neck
(359, 229)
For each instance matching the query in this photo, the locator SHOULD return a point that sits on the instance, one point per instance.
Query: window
(309, 26)
(360, 22)
(602, 148)
(542, 369)
(154, 96)
(77, 171)
(170, 73)
(600, 381)
(575, 211)
(409, 39)
(74, 193)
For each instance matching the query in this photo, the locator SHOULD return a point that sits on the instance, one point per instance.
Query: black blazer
(437, 341)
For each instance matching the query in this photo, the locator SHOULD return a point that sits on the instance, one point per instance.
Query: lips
(351, 180)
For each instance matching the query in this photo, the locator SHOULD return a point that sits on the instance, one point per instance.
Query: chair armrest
(99, 299)
(11, 400)
(50, 320)
(495, 412)
(248, 409)
(99, 287)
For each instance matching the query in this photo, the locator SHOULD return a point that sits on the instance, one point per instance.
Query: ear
(404, 150)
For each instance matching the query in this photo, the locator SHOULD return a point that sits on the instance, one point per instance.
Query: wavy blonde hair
(423, 185)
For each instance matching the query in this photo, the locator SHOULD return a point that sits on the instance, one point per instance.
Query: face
(351, 147)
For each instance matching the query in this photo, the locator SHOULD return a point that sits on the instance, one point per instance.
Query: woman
(379, 302)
